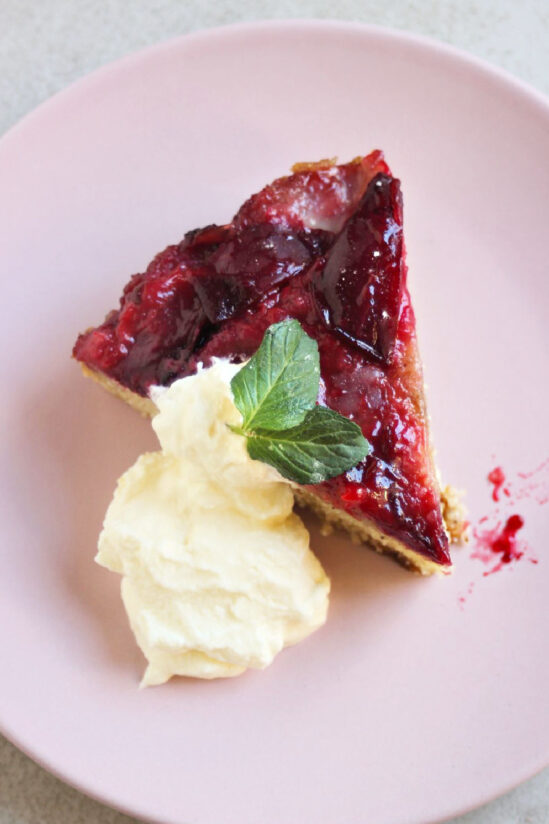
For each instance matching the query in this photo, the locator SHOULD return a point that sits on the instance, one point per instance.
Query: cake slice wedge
(325, 246)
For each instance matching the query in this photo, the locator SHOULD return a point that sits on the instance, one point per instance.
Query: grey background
(47, 44)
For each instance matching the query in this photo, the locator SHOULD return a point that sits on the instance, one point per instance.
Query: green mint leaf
(279, 384)
(324, 445)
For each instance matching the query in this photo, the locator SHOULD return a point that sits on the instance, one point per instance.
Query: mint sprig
(322, 446)
(276, 394)
(279, 385)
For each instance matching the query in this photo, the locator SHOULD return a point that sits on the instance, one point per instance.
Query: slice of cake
(324, 246)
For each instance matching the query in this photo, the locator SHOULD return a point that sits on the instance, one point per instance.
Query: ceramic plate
(420, 698)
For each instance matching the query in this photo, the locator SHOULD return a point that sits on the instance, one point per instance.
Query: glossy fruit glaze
(324, 246)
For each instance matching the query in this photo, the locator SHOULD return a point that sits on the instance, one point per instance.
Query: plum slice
(252, 263)
(358, 285)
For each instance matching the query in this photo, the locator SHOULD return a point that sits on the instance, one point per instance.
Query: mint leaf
(279, 384)
(276, 394)
(320, 447)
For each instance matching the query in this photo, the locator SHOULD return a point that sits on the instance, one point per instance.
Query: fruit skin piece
(151, 339)
(358, 285)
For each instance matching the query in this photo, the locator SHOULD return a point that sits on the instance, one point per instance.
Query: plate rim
(384, 34)
(496, 73)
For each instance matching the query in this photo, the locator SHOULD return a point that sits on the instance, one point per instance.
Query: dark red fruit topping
(359, 284)
(324, 246)
(252, 263)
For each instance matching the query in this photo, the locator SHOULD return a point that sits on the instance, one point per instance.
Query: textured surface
(45, 46)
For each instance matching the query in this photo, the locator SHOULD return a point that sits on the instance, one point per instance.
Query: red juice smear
(533, 485)
(506, 541)
(497, 478)
(462, 600)
(495, 536)
(499, 542)
(527, 475)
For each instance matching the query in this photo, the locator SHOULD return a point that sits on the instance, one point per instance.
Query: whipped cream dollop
(217, 571)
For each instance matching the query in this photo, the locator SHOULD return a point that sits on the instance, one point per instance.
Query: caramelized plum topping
(359, 284)
(251, 264)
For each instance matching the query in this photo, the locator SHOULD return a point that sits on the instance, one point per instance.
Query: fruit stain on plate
(462, 599)
(533, 484)
(497, 538)
(497, 477)
(499, 543)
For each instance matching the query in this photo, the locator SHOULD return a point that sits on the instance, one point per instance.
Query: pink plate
(420, 698)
